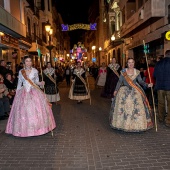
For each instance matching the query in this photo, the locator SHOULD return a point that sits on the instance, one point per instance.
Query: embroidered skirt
(30, 114)
(129, 111)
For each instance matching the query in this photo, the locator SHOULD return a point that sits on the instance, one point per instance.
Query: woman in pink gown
(31, 114)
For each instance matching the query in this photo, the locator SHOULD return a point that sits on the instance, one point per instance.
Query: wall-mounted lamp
(1, 33)
(113, 38)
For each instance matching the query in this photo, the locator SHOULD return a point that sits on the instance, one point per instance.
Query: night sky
(72, 12)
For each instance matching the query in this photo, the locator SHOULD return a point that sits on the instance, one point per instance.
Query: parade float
(79, 52)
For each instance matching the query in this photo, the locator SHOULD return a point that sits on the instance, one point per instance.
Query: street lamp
(47, 26)
(93, 47)
(100, 48)
(49, 30)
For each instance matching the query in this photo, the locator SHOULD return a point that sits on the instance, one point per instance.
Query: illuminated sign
(79, 26)
(167, 35)
(94, 60)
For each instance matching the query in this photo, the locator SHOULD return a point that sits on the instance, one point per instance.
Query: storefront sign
(9, 41)
(94, 60)
(167, 35)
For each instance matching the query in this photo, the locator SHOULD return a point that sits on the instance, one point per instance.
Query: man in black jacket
(162, 76)
(3, 69)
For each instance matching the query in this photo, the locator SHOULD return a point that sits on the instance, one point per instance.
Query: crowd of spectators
(8, 85)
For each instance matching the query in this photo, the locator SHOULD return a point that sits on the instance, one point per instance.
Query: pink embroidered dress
(102, 76)
(30, 114)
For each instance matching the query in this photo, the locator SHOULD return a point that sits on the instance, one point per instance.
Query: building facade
(135, 22)
(123, 26)
(22, 31)
(12, 29)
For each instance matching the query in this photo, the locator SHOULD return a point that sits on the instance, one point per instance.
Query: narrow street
(83, 140)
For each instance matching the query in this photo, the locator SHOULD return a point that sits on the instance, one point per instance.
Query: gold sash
(82, 79)
(131, 83)
(115, 71)
(33, 84)
(51, 78)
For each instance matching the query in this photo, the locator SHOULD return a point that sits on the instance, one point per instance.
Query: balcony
(152, 10)
(11, 25)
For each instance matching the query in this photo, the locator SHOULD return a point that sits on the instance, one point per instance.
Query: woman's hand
(150, 85)
(115, 92)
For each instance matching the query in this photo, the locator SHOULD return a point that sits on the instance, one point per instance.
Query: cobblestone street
(83, 140)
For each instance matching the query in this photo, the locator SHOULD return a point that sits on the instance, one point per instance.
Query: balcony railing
(7, 20)
(151, 9)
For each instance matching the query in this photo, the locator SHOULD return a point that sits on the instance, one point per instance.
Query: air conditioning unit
(141, 14)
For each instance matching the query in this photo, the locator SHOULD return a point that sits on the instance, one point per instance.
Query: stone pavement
(83, 140)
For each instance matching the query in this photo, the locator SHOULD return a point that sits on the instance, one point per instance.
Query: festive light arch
(79, 26)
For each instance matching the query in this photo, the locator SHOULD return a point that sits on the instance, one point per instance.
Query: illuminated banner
(78, 26)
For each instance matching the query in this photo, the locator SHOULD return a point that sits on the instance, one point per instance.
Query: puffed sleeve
(20, 80)
(141, 82)
(119, 83)
(37, 78)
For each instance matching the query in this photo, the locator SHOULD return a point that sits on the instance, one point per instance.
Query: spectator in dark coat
(4, 100)
(9, 68)
(162, 76)
(3, 69)
(10, 86)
